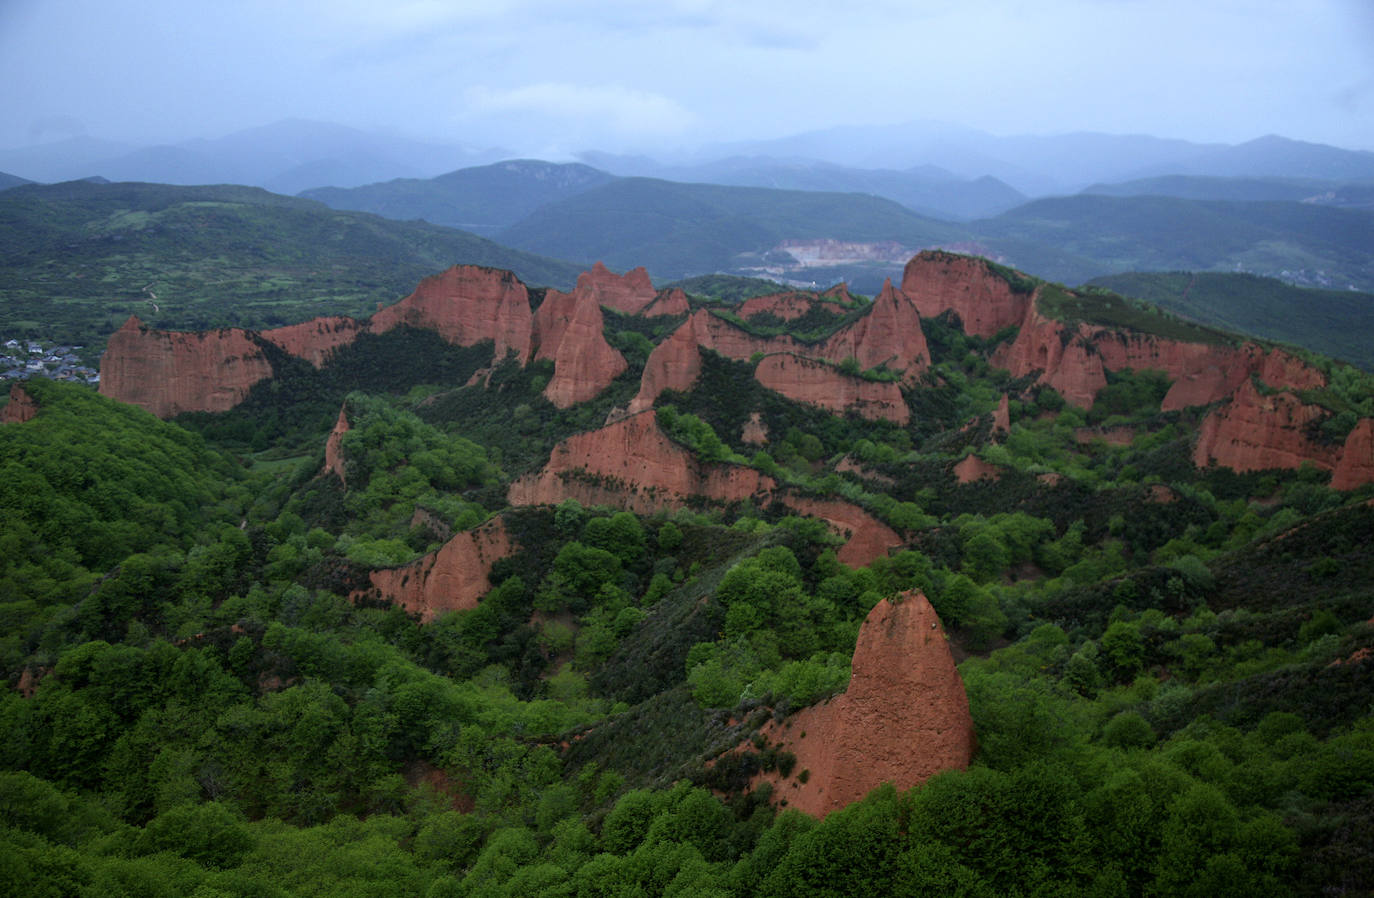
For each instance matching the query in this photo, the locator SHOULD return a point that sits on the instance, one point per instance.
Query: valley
(528, 591)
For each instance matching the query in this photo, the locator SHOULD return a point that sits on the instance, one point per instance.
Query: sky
(547, 78)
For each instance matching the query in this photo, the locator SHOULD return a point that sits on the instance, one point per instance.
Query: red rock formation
(1074, 360)
(904, 718)
(1255, 432)
(866, 537)
(466, 305)
(939, 282)
(584, 364)
(1356, 466)
(972, 468)
(1202, 373)
(629, 293)
(170, 373)
(20, 408)
(1001, 416)
(632, 464)
(453, 578)
(822, 384)
(334, 462)
(1068, 365)
(839, 293)
(755, 432)
(674, 364)
(550, 321)
(888, 334)
(317, 339)
(668, 302)
(787, 306)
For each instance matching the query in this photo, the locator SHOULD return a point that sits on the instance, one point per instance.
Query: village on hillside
(21, 359)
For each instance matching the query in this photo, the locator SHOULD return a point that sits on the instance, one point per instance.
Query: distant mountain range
(1063, 163)
(483, 200)
(1282, 228)
(284, 157)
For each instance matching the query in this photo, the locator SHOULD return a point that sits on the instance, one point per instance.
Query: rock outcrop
(754, 432)
(452, 578)
(466, 305)
(1075, 359)
(1050, 347)
(668, 303)
(169, 373)
(825, 386)
(939, 282)
(971, 469)
(866, 537)
(568, 328)
(1257, 431)
(1001, 416)
(888, 334)
(904, 718)
(631, 464)
(1356, 465)
(334, 462)
(20, 408)
(629, 293)
(317, 339)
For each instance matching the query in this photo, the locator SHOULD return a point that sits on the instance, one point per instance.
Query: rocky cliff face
(20, 408)
(903, 719)
(1048, 346)
(1255, 431)
(938, 282)
(629, 293)
(825, 386)
(668, 302)
(632, 464)
(466, 305)
(971, 469)
(334, 462)
(889, 334)
(317, 339)
(170, 373)
(866, 537)
(1356, 465)
(453, 578)
(568, 328)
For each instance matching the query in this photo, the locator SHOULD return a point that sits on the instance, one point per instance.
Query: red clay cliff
(20, 408)
(466, 305)
(903, 719)
(170, 373)
(453, 578)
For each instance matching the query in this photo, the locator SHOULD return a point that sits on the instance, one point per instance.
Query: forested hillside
(242, 660)
(80, 257)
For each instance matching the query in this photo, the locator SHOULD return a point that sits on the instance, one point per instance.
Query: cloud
(626, 111)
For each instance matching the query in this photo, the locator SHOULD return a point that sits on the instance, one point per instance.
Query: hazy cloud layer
(551, 77)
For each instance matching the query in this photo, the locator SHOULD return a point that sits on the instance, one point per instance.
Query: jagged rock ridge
(171, 373)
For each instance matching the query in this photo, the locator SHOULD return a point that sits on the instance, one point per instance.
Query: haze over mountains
(811, 209)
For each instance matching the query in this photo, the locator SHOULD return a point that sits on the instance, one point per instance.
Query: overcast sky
(548, 78)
